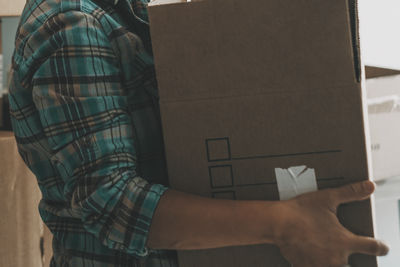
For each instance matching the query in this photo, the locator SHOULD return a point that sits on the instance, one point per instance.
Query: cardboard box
(383, 90)
(11, 8)
(21, 227)
(249, 89)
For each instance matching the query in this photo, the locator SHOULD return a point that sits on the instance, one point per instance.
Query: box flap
(303, 35)
(376, 72)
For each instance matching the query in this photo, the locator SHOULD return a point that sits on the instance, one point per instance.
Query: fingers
(370, 246)
(353, 192)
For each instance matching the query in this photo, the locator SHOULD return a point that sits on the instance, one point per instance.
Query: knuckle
(354, 188)
(349, 238)
(339, 261)
(332, 196)
(364, 186)
(329, 201)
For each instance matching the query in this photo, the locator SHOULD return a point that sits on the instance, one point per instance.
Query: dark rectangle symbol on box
(221, 176)
(218, 149)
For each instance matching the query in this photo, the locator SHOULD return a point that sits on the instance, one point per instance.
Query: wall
(380, 32)
(9, 27)
(387, 199)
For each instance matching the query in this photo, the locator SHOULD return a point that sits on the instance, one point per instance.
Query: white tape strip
(295, 181)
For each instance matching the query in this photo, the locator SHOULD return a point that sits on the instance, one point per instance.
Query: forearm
(183, 221)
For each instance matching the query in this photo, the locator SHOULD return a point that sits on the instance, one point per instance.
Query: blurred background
(379, 30)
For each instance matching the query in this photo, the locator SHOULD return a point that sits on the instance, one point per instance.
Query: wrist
(281, 218)
(272, 219)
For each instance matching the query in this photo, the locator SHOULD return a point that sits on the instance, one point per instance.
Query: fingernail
(384, 249)
(369, 186)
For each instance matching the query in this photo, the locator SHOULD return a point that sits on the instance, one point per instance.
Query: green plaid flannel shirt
(84, 109)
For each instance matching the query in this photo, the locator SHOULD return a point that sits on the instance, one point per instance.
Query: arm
(305, 228)
(82, 106)
(184, 221)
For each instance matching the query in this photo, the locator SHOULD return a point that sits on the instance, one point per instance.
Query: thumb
(353, 192)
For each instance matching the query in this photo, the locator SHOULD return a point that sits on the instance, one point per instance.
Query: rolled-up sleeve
(84, 113)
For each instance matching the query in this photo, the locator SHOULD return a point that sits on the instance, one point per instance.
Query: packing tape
(295, 181)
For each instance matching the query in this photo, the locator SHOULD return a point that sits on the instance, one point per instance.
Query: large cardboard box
(21, 228)
(11, 8)
(383, 90)
(249, 90)
(47, 246)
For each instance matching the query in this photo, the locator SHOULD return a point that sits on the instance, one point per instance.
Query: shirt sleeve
(84, 113)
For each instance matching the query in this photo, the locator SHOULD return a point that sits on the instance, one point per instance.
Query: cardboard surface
(245, 89)
(20, 224)
(47, 246)
(11, 8)
(384, 117)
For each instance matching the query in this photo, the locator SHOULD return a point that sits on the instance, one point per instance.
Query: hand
(313, 235)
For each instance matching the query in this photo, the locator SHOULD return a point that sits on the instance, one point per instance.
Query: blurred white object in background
(387, 211)
(380, 32)
(380, 41)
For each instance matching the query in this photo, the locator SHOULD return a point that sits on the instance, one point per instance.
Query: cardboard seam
(275, 92)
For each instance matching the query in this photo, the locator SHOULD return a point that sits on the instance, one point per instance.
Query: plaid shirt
(84, 107)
